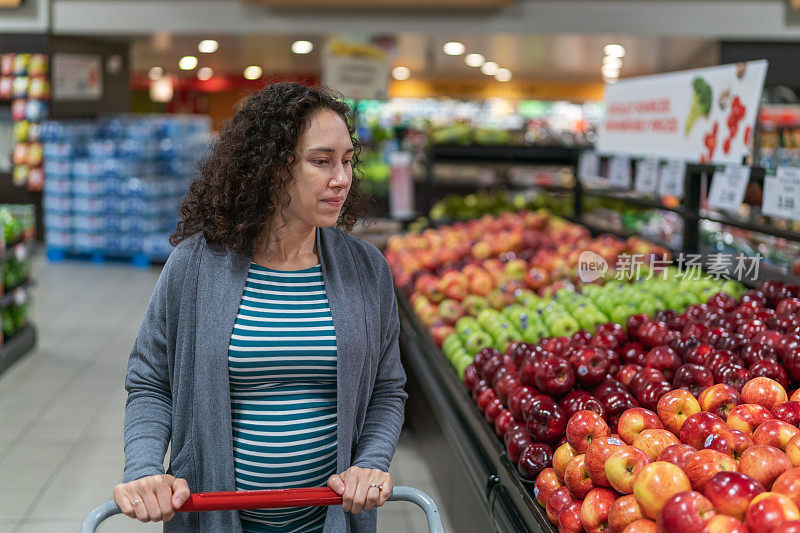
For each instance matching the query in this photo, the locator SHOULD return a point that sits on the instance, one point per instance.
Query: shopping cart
(274, 499)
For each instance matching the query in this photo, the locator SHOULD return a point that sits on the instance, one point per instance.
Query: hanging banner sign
(702, 115)
(356, 70)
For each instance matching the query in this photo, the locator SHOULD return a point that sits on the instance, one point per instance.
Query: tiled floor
(61, 406)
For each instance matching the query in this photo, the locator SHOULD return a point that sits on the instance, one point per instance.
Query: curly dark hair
(243, 178)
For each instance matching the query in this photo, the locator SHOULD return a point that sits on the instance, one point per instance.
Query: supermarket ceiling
(563, 57)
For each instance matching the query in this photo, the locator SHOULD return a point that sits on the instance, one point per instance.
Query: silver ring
(376, 485)
(134, 502)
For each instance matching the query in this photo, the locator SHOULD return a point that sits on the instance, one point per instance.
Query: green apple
(467, 324)
(488, 316)
(535, 333)
(565, 326)
(526, 297)
(477, 341)
(506, 337)
(734, 288)
(461, 365)
(474, 304)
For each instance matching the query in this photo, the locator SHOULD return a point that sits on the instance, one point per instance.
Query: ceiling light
(615, 50)
(187, 62)
(155, 73)
(453, 48)
(489, 68)
(503, 74)
(401, 73)
(610, 80)
(161, 90)
(612, 62)
(207, 46)
(302, 47)
(252, 72)
(610, 72)
(205, 73)
(474, 60)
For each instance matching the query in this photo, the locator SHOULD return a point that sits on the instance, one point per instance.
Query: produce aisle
(61, 407)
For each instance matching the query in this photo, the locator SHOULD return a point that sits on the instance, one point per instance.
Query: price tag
(782, 194)
(728, 187)
(671, 179)
(588, 166)
(619, 172)
(646, 176)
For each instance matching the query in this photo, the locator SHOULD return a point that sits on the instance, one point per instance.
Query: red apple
(792, 526)
(698, 354)
(504, 383)
(642, 378)
(492, 410)
(771, 370)
(677, 454)
(675, 407)
(788, 412)
(731, 442)
(720, 523)
(731, 492)
(519, 397)
(590, 366)
(626, 373)
(702, 466)
(471, 376)
(577, 479)
(722, 357)
(554, 376)
(516, 439)
(486, 397)
(685, 511)
(723, 301)
(582, 401)
(654, 441)
(747, 417)
(693, 378)
(569, 519)
(652, 393)
(546, 483)
(768, 511)
(793, 451)
(615, 404)
(634, 421)
(622, 467)
(546, 421)
(596, 455)
(788, 484)
(791, 360)
(561, 458)
(698, 427)
(765, 392)
(665, 359)
(755, 351)
(643, 525)
(775, 433)
(502, 422)
(557, 500)
(632, 353)
(624, 511)
(731, 374)
(657, 483)
(719, 399)
(583, 428)
(595, 510)
(764, 463)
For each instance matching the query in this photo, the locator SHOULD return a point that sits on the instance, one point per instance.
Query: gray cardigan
(177, 377)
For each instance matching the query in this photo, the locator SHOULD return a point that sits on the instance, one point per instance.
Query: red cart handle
(260, 499)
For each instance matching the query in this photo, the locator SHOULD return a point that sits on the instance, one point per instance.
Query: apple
(677, 454)
(627, 372)
(555, 345)
(791, 526)
(546, 483)
(609, 386)
(675, 407)
(751, 327)
(569, 519)
(642, 378)
(577, 479)
(534, 459)
(704, 464)
(698, 427)
(486, 397)
(764, 463)
(795, 397)
(683, 344)
(652, 393)
(771, 370)
(596, 455)
(693, 378)
(471, 376)
(698, 354)
(788, 484)
(505, 382)
(615, 404)
(768, 511)
(554, 376)
(643, 525)
(685, 511)
(756, 351)
(546, 421)
(634, 421)
(632, 353)
(624, 511)
(581, 401)
(657, 483)
(590, 366)
(623, 465)
(775, 433)
(584, 427)
(494, 364)
(654, 441)
(732, 374)
(788, 412)
(516, 439)
(793, 451)
(581, 337)
(595, 510)
(720, 523)
(502, 422)
(722, 300)
(731, 442)
(731, 492)
(483, 355)
(722, 357)
(492, 410)
(561, 458)
(557, 500)
(732, 343)
(747, 417)
(765, 392)
(665, 359)
(519, 398)
(719, 399)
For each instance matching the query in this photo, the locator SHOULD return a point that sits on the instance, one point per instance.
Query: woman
(268, 356)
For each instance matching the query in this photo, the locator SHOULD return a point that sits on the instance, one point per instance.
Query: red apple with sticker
(583, 428)
(596, 455)
(547, 482)
(675, 407)
(698, 427)
(731, 442)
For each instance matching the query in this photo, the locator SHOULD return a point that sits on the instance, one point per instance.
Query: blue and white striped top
(282, 367)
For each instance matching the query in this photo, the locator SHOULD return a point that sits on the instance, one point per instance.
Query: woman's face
(322, 173)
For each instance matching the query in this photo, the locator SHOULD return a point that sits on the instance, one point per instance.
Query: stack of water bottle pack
(113, 185)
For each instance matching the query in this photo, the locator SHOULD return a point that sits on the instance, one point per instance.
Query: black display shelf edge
(491, 472)
(534, 154)
(8, 293)
(17, 346)
(637, 201)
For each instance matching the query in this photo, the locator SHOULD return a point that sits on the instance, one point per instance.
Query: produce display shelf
(751, 226)
(7, 297)
(513, 154)
(624, 196)
(493, 477)
(17, 346)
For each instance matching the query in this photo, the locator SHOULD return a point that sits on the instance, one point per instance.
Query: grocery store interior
(590, 210)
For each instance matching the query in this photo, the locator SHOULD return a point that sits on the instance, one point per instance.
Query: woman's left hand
(361, 488)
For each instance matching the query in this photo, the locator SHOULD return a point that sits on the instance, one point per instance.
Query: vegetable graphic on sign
(701, 103)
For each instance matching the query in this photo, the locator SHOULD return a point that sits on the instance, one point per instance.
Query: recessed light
(155, 73)
(187, 62)
(615, 50)
(205, 73)
(302, 47)
(253, 72)
(474, 60)
(208, 46)
(503, 74)
(453, 48)
(401, 73)
(490, 68)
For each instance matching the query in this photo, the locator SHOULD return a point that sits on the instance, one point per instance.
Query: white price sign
(728, 187)
(619, 172)
(671, 179)
(646, 176)
(588, 166)
(782, 194)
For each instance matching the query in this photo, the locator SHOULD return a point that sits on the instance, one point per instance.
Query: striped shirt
(282, 369)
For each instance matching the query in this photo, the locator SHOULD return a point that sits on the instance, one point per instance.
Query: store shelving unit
(17, 346)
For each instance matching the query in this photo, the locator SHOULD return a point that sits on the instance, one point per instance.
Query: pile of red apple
(726, 462)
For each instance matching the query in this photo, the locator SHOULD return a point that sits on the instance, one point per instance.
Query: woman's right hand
(152, 498)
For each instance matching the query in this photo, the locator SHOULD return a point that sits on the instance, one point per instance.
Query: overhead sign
(356, 70)
(702, 115)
